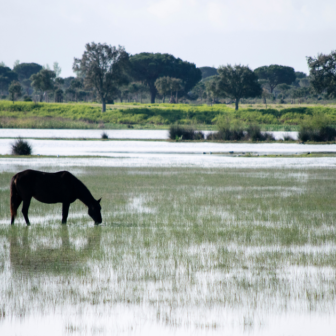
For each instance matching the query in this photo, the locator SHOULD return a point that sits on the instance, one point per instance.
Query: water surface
(96, 134)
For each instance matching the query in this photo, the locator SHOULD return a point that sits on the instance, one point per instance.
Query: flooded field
(134, 148)
(182, 251)
(96, 134)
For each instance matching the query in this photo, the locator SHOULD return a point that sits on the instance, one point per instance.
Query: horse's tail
(13, 197)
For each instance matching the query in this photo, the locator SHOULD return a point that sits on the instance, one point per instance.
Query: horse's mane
(84, 193)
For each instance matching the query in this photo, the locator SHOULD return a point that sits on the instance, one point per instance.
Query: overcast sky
(207, 33)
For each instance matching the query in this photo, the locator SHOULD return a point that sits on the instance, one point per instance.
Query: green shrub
(27, 99)
(177, 132)
(254, 133)
(287, 138)
(317, 129)
(104, 135)
(229, 129)
(21, 147)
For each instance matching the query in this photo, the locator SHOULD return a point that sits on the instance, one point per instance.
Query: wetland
(182, 250)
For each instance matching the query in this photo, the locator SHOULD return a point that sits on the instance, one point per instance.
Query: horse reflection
(66, 258)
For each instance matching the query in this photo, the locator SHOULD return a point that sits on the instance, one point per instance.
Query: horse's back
(45, 187)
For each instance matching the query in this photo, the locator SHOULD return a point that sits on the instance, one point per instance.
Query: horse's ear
(99, 200)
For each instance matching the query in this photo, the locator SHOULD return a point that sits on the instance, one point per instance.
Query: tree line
(105, 73)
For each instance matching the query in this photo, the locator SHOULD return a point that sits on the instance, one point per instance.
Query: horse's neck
(84, 195)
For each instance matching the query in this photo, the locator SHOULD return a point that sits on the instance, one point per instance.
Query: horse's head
(94, 211)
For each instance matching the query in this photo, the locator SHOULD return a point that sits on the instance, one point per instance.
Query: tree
(58, 91)
(284, 88)
(265, 94)
(199, 91)
(238, 82)
(208, 71)
(43, 81)
(59, 95)
(177, 85)
(17, 62)
(276, 74)
(323, 73)
(25, 71)
(300, 75)
(163, 86)
(7, 76)
(148, 67)
(104, 69)
(15, 90)
(57, 69)
(76, 85)
(135, 89)
(70, 92)
(141, 90)
(67, 81)
(212, 89)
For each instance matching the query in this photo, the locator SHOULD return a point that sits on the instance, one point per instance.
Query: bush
(254, 134)
(21, 147)
(288, 138)
(104, 135)
(227, 135)
(177, 132)
(199, 136)
(317, 129)
(229, 129)
(27, 99)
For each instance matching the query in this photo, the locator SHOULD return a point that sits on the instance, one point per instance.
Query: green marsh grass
(178, 246)
(86, 115)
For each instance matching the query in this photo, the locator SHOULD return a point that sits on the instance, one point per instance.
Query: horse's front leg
(25, 207)
(65, 212)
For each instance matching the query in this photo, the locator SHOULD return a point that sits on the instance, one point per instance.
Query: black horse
(61, 187)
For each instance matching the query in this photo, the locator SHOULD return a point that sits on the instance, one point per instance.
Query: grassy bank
(178, 248)
(81, 115)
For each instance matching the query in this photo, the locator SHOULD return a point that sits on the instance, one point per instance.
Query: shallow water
(111, 148)
(130, 320)
(96, 134)
(164, 154)
(125, 258)
(157, 160)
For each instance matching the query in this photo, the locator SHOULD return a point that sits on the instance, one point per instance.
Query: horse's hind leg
(15, 203)
(65, 212)
(25, 208)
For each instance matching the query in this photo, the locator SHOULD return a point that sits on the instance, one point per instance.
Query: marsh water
(96, 134)
(186, 247)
